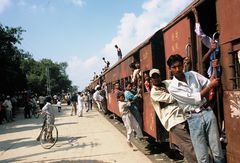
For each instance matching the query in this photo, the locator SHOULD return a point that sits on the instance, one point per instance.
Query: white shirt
(59, 103)
(135, 75)
(188, 95)
(206, 40)
(123, 107)
(80, 100)
(97, 96)
(7, 104)
(169, 113)
(48, 109)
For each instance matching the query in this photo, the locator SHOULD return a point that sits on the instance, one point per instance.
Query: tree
(19, 71)
(10, 59)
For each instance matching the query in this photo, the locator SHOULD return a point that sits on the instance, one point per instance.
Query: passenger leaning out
(190, 89)
(98, 98)
(170, 115)
(129, 121)
(129, 96)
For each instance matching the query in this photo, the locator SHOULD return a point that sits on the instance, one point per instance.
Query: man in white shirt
(8, 108)
(97, 97)
(189, 89)
(170, 115)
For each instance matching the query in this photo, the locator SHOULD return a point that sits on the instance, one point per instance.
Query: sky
(82, 32)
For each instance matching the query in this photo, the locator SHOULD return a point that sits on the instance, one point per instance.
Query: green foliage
(20, 71)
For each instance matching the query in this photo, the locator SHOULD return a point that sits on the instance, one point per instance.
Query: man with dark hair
(74, 104)
(49, 112)
(170, 115)
(129, 121)
(129, 96)
(98, 98)
(189, 89)
(119, 52)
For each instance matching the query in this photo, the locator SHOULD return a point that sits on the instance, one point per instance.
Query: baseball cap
(153, 71)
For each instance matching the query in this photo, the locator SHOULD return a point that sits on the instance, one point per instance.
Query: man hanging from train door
(189, 89)
(212, 57)
(170, 115)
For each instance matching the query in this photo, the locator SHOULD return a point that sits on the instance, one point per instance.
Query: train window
(136, 57)
(236, 69)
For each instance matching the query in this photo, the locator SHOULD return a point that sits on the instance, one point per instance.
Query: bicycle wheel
(48, 139)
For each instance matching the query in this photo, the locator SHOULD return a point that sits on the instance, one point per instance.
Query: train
(178, 37)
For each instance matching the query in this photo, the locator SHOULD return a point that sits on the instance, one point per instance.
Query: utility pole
(48, 81)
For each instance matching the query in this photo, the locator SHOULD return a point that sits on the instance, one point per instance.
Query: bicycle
(48, 135)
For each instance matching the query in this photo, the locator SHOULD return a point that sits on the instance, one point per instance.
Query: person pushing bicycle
(49, 112)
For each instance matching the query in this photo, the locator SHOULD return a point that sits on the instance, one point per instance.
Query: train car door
(152, 56)
(176, 38)
(228, 16)
(149, 116)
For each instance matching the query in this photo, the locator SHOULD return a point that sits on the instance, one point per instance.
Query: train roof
(180, 16)
(134, 50)
(183, 14)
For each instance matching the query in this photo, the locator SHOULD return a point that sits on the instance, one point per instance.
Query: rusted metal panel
(146, 58)
(226, 61)
(125, 70)
(149, 116)
(228, 16)
(112, 103)
(232, 122)
(107, 77)
(116, 72)
(176, 38)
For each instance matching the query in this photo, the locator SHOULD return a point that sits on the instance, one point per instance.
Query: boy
(128, 119)
(49, 112)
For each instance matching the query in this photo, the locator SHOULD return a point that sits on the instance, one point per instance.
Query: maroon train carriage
(179, 37)
(220, 16)
(149, 54)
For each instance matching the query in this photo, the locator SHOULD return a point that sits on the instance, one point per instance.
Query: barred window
(236, 69)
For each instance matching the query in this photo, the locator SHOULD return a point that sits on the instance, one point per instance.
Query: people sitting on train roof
(129, 120)
(129, 96)
(170, 115)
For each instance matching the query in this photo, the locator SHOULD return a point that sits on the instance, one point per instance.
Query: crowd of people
(9, 104)
(183, 104)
